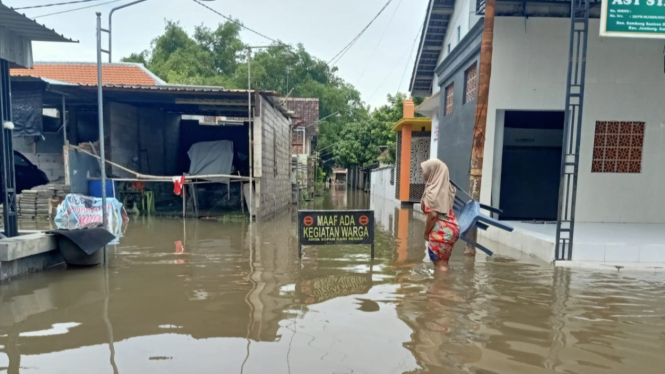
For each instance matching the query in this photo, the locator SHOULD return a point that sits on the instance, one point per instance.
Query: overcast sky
(378, 63)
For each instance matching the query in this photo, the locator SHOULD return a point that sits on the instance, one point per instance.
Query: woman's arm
(430, 221)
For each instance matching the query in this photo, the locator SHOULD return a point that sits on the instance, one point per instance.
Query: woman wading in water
(441, 227)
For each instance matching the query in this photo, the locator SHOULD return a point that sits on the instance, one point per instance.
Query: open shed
(149, 130)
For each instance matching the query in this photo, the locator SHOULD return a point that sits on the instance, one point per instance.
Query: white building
(620, 208)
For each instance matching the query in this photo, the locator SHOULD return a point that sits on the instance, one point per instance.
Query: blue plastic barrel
(95, 188)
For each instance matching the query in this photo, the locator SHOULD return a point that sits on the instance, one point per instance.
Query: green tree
(363, 143)
(355, 136)
(178, 58)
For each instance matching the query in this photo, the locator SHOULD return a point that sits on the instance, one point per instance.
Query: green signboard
(633, 18)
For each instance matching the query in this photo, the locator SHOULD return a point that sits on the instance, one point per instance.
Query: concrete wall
(456, 129)
(142, 139)
(272, 160)
(151, 141)
(121, 131)
(79, 166)
(45, 153)
(464, 16)
(624, 83)
(171, 126)
(434, 139)
(383, 181)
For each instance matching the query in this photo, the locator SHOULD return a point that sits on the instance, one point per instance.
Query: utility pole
(100, 117)
(110, 32)
(484, 75)
(249, 131)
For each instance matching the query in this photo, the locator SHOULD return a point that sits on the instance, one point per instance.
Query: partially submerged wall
(623, 79)
(383, 182)
(272, 159)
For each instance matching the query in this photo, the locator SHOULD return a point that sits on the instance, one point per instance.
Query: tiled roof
(306, 110)
(86, 73)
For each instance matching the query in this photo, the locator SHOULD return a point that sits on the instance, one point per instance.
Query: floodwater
(210, 297)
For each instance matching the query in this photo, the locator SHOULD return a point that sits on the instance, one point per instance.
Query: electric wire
(410, 54)
(385, 31)
(236, 22)
(73, 10)
(394, 67)
(54, 4)
(341, 53)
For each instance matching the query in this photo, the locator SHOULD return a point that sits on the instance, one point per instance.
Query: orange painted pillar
(405, 164)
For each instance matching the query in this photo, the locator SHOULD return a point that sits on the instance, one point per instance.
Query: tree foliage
(351, 135)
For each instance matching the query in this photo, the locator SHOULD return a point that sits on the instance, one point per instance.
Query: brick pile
(40, 202)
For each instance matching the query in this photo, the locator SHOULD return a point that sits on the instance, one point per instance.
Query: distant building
(305, 123)
(304, 134)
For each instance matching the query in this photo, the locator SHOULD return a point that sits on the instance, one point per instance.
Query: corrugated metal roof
(29, 78)
(179, 88)
(431, 44)
(23, 26)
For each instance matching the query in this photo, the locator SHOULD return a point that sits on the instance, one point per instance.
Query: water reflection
(209, 296)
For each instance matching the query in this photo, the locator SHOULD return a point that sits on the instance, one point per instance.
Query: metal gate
(579, 29)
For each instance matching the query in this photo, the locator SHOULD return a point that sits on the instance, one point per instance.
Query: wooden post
(195, 200)
(484, 75)
(299, 239)
(184, 201)
(65, 160)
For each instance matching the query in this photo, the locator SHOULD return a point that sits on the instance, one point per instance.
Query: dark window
(448, 48)
(459, 33)
(392, 176)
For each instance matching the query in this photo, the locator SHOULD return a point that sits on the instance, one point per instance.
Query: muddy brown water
(207, 297)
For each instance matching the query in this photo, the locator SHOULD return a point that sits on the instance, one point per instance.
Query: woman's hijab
(439, 192)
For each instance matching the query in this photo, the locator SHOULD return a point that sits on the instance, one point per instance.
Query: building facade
(621, 138)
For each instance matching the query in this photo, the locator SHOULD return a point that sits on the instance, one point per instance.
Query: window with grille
(449, 99)
(471, 83)
(617, 147)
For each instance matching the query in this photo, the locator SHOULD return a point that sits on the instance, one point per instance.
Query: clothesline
(157, 178)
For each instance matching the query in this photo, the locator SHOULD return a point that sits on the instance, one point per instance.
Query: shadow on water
(205, 296)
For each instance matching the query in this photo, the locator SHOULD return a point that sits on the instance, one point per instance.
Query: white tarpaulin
(209, 158)
(79, 212)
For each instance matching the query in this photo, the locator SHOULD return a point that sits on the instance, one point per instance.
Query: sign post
(633, 19)
(329, 227)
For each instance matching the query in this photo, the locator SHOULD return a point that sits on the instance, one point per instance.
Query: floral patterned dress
(443, 236)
